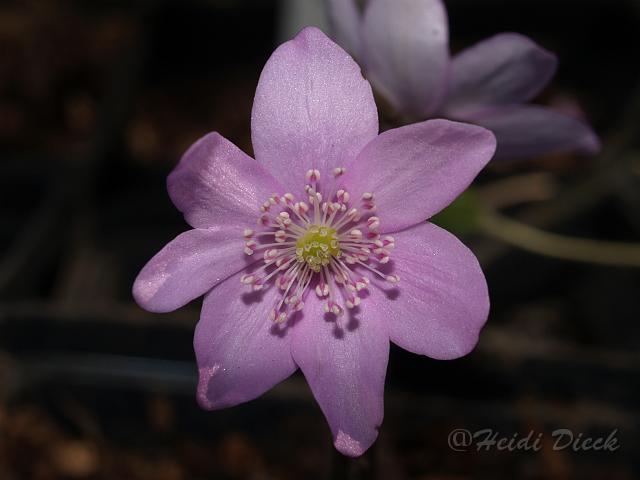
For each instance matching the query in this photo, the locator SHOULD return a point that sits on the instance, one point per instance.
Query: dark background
(99, 99)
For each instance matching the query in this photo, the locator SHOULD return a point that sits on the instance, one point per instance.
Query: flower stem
(555, 245)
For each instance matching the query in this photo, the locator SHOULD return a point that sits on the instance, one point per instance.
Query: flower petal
(529, 131)
(216, 184)
(240, 353)
(417, 170)
(406, 53)
(504, 69)
(441, 302)
(345, 19)
(312, 109)
(345, 363)
(188, 267)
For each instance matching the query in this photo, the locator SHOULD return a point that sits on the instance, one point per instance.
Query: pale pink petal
(417, 170)
(505, 69)
(406, 53)
(240, 352)
(345, 20)
(344, 361)
(529, 131)
(441, 302)
(188, 267)
(312, 109)
(217, 185)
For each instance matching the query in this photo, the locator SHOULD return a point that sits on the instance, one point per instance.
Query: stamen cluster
(325, 241)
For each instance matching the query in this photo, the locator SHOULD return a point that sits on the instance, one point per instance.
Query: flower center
(317, 246)
(324, 245)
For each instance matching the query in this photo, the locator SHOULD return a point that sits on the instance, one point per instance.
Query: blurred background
(99, 99)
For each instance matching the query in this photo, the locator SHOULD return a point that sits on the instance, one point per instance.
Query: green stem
(620, 254)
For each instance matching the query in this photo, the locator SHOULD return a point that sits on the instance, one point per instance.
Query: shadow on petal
(253, 297)
(391, 293)
(353, 323)
(281, 329)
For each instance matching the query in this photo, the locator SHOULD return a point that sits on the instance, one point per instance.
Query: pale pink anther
(314, 196)
(368, 202)
(353, 214)
(277, 317)
(355, 234)
(248, 233)
(337, 309)
(343, 196)
(330, 208)
(339, 171)
(283, 219)
(290, 299)
(271, 254)
(383, 259)
(392, 278)
(250, 247)
(294, 302)
(264, 220)
(312, 175)
(289, 199)
(382, 248)
(322, 289)
(373, 223)
(281, 282)
(353, 301)
(301, 208)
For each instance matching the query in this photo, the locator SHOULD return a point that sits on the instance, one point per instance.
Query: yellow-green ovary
(317, 246)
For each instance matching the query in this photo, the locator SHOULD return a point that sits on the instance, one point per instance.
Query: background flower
(403, 45)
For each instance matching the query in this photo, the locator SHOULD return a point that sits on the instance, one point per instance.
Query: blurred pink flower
(316, 254)
(403, 46)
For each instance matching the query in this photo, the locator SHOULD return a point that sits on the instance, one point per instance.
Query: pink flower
(316, 254)
(403, 46)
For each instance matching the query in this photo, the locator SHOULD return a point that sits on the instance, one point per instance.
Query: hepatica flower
(316, 254)
(403, 46)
